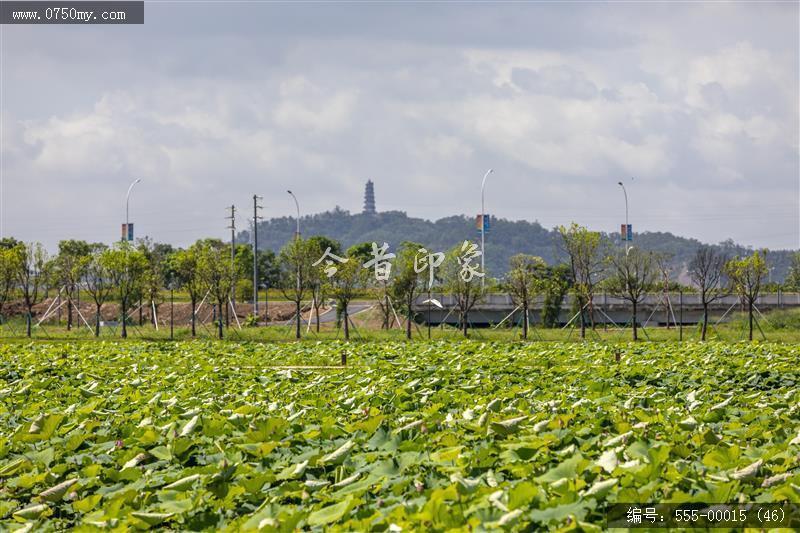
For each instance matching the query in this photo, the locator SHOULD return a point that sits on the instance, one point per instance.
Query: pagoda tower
(369, 198)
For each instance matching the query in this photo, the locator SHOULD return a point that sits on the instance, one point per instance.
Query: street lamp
(297, 205)
(127, 207)
(483, 226)
(625, 192)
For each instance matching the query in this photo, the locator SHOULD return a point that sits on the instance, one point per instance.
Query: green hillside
(506, 237)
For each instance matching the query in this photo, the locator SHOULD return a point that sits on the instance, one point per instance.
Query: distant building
(369, 198)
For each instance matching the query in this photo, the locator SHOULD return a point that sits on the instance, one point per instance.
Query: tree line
(210, 269)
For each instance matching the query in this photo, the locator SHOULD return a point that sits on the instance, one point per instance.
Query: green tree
(746, 275)
(32, 272)
(524, 280)
(243, 265)
(317, 280)
(408, 283)
(9, 268)
(215, 269)
(633, 275)
(98, 283)
(380, 264)
(706, 269)
(348, 281)
(583, 248)
(68, 268)
(9, 243)
(361, 251)
(557, 283)
(155, 276)
(461, 283)
(268, 271)
(126, 267)
(185, 264)
(295, 260)
(378, 259)
(792, 282)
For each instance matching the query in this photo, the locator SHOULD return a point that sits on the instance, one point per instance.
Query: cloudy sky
(694, 106)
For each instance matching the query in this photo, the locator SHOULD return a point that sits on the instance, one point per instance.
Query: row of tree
(210, 269)
(631, 273)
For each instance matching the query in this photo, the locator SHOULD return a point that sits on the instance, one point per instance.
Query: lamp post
(625, 192)
(297, 206)
(127, 207)
(483, 228)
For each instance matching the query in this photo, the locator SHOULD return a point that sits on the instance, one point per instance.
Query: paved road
(352, 309)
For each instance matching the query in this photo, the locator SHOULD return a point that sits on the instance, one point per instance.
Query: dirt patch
(57, 311)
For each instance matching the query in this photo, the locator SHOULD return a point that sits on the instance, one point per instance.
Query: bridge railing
(497, 300)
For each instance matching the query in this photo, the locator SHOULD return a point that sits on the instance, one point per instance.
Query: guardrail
(504, 301)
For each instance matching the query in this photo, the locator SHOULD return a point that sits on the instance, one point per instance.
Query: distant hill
(506, 237)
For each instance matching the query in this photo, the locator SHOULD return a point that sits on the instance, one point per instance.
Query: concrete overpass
(654, 310)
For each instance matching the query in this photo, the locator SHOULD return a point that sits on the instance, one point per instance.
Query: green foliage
(243, 291)
(268, 272)
(632, 274)
(295, 264)
(556, 284)
(361, 251)
(9, 271)
(317, 279)
(583, 249)
(792, 282)
(787, 320)
(428, 437)
(525, 278)
(297, 273)
(407, 282)
(33, 269)
(465, 289)
(218, 275)
(185, 265)
(126, 267)
(747, 274)
(8, 243)
(349, 281)
(159, 271)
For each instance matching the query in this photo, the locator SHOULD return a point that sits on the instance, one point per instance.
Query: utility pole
(256, 218)
(232, 227)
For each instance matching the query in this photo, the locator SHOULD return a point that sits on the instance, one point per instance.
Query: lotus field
(438, 436)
